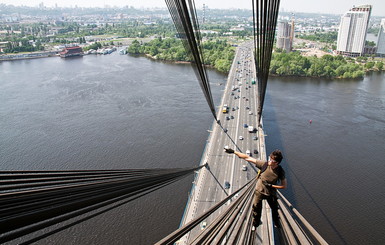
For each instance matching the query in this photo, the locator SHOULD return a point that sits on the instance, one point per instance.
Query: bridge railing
(295, 228)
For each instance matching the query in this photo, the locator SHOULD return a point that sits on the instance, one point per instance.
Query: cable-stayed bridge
(219, 207)
(220, 221)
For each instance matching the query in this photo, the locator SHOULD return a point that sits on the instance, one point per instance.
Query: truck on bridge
(225, 108)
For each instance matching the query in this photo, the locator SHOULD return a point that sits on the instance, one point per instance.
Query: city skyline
(296, 6)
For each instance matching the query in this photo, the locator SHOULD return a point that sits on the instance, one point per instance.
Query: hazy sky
(310, 6)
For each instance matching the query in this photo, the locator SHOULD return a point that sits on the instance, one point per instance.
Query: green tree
(358, 74)
(379, 66)
(347, 75)
(134, 48)
(369, 65)
(370, 43)
(94, 46)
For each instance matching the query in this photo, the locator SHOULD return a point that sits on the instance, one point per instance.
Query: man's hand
(266, 183)
(229, 150)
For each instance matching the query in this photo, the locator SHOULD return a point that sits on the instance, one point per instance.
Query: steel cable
(177, 234)
(47, 198)
(184, 17)
(114, 204)
(265, 14)
(28, 210)
(217, 230)
(72, 194)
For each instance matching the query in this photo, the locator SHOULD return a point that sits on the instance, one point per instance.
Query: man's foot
(255, 226)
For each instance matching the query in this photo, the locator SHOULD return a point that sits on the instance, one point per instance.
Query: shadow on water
(271, 130)
(74, 57)
(271, 127)
(318, 207)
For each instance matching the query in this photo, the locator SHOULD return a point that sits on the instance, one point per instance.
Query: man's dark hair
(276, 156)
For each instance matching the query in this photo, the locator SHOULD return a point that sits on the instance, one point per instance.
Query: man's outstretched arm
(242, 155)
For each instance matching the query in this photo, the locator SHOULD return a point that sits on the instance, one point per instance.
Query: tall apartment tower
(381, 39)
(285, 34)
(204, 14)
(352, 32)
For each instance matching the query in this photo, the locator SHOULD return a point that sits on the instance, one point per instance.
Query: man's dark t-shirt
(270, 176)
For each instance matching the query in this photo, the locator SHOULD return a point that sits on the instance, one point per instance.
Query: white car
(240, 137)
(244, 168)
(203, 225)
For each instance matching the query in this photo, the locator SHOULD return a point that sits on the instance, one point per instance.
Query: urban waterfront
(114, 111)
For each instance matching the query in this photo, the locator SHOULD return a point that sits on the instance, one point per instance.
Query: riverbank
(32, 55)
(341, 77)
(216, 53)
(154, 58)
(273, 70)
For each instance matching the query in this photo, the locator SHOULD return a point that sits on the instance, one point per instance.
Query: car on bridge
(203, 225)
(240, 137)
(227, 185)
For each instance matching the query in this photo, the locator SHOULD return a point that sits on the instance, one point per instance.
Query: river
(115, 111)
(335, 163)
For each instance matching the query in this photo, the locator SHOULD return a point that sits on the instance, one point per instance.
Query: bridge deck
(240, 95)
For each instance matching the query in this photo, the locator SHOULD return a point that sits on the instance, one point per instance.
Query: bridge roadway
(209, 184)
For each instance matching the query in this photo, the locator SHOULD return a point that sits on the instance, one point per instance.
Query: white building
(352, 31)
(381, 39)
(285, 35)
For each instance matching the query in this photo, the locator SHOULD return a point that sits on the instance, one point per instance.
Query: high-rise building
(352, 32)
(285, 33)
(381, 39)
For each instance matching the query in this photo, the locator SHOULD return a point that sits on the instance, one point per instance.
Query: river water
(114, 111)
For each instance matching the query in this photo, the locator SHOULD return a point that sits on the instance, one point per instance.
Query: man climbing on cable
(270, 173)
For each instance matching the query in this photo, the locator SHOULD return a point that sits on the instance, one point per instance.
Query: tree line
(217, 53)
(220, 54)
(329, 37)
(328, 66)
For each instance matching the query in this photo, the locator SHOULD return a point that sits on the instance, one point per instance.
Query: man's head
(276, 156)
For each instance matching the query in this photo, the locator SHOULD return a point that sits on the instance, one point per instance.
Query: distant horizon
(294, 6)
(161, 8)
